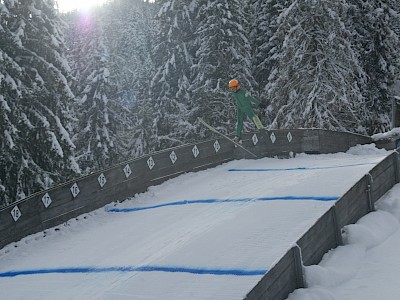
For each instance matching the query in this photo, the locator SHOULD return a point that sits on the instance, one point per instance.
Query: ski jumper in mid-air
(243, 106)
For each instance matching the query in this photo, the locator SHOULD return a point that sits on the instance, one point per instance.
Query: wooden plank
(280, 281)
(184, 158)
(353, 204)
(311, 143)
(278, 143)
(357, 139)
(381, 184)
(320, 238)
(118, 186)
(141, 178)
(196, 168)
(383, 166)
(387, 144)
(114, 175)
(28, 222)
(59, 196)
(383, 177)
(331, 142)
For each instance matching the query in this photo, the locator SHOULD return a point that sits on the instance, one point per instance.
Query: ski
(226, 137)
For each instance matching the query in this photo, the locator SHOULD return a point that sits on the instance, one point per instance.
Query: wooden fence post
(370, 181)
(299, 267)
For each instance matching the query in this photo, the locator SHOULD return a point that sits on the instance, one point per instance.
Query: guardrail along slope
(52, 207)
(287, 274)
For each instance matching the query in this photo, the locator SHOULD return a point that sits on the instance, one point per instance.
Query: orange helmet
(234, 85)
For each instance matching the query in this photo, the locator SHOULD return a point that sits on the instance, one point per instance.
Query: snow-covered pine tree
(396, 87)
(315, 82)
(130, 29)
(169, 90)
(223, 53)
(100, 114)
(374, 24)
(264, 18)
(10, 95)
(396, 20)
(44, 150)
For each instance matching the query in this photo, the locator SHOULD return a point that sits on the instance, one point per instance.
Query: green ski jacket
(243, 104)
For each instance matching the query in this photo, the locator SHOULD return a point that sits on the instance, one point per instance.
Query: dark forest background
(83, 91)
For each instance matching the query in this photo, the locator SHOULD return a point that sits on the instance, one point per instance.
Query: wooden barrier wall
(52, 207)
(71, 199)
(325, 234)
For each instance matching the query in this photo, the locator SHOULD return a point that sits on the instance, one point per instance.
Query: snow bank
(369, 149)
(336, 267)
(341, 265)
(391, 202)
(371, 230)
(395, 132)
(314, 293)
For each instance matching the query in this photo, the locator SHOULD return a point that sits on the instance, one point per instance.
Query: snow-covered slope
(205, 235)
(367, 266)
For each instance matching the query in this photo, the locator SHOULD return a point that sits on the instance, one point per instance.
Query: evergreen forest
(82, 91)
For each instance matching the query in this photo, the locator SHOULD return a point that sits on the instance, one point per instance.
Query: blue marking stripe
(211, 201)
(88, 270)
(297, 169)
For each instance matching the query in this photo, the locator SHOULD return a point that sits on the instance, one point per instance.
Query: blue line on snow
(210, 201)
(297, 169)
(86, 270)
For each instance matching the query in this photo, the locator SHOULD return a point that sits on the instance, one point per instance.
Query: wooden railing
(52, 207)
(287, 274)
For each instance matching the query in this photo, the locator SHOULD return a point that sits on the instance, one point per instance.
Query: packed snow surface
(206, 235)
